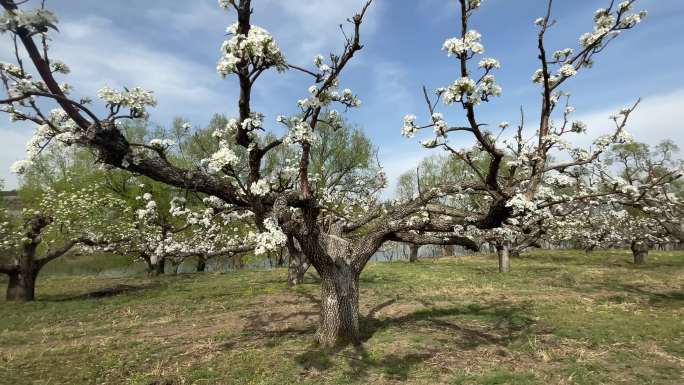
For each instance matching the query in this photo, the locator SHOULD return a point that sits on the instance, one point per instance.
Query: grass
(560, 317)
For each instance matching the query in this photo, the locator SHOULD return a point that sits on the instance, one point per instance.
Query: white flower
(300, 132)
(318, 60)
(429, 143)
(162, 143)
(568, 70)
(474, 4)
(440, 124)
(59, 67)
(258, 47)
(409, 128)
(260, 188)
(625, 6)
(20, 167)
(220, 159)
(562, 54)
(270, 240)
(579, 126)
(225, 4)
(489, 63)
(460, 46)
(503, 125)
(136, 99)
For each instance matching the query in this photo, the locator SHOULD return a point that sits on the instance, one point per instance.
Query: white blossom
(258, 47)
(260, 187)
(220, 159)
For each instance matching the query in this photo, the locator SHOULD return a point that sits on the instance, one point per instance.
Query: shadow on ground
(101, 293)
(504, 322)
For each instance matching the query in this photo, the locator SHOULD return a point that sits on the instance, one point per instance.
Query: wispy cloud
(658, 117)
(100, 53)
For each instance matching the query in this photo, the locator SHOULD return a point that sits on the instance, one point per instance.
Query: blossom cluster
(257, 48)
(136, 99)
(35, 21)
(271, 239)
(464, 47)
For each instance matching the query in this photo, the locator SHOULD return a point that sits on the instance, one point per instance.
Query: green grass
(560, 317)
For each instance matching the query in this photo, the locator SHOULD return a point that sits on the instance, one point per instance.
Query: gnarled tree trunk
(339, 322)
(504, 258)
(639, 251)
(298, 263)
(413, 252)
(22, 285)
(22, 274)
(155, 269)
(296, 270)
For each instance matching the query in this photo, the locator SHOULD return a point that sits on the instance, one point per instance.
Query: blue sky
(171, 47)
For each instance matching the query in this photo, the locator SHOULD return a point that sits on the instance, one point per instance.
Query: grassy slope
(559, 318)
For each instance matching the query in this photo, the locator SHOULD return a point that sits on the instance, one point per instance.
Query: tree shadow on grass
(505, 323)
(656, 298)
(100, 293)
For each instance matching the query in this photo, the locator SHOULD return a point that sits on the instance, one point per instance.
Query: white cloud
(302, 28)
(390, 83)
(101, 54)
(658, 117)
(305, 28)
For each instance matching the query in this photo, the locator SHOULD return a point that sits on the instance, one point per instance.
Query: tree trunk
(280, 259)
(413, 252)
(157, 269)
(339, 323)
(298, 264)
(504, 258)
(201, 264)
(639, 251)
(296, 269)
(22, 287)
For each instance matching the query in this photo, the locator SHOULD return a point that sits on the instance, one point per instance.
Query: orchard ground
(561, 317)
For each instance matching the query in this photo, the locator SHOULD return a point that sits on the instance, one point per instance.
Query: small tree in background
(61, 221)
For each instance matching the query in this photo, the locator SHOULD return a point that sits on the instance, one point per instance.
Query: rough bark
(298, 264)
(22, 286)
(296, 270)
(339, 322)
(413, 252)
(639, 251)
(504, 258)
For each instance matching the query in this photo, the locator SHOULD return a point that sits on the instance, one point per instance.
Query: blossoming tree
(638, 164)
(213, 230)
(338, 243)
(63, 220)
(527, 176)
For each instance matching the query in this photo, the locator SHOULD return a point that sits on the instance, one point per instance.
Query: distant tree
(61, 221)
